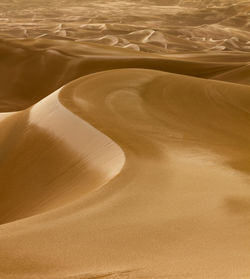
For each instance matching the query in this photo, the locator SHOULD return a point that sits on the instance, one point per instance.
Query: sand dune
(166, 124)
(124, 139)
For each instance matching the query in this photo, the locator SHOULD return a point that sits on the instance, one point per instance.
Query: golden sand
(124, 143)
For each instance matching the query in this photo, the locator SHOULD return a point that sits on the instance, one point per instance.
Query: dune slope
(43, 167)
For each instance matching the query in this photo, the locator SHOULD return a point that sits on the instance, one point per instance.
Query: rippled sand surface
(124, 139)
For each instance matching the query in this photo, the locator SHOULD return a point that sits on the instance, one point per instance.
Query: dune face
(124, 143)
(48, 167)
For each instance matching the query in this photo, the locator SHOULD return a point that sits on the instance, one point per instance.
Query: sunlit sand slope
(175, 206)
(50, 157)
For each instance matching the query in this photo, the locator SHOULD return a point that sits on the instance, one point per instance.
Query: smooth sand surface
(124, 139)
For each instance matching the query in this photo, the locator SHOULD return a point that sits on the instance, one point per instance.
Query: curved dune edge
(81, 137)
(55, 158)
(159, 217)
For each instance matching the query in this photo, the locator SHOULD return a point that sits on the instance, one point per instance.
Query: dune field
(124, 139)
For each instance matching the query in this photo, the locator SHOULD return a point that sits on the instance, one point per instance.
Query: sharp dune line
(81, 137)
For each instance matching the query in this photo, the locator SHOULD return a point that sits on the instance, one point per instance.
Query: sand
(124, 139)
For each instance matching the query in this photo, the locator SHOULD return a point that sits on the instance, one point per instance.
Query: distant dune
(124, 143)
(154, 26)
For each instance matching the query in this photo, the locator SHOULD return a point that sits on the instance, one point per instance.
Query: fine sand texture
(124, 139)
